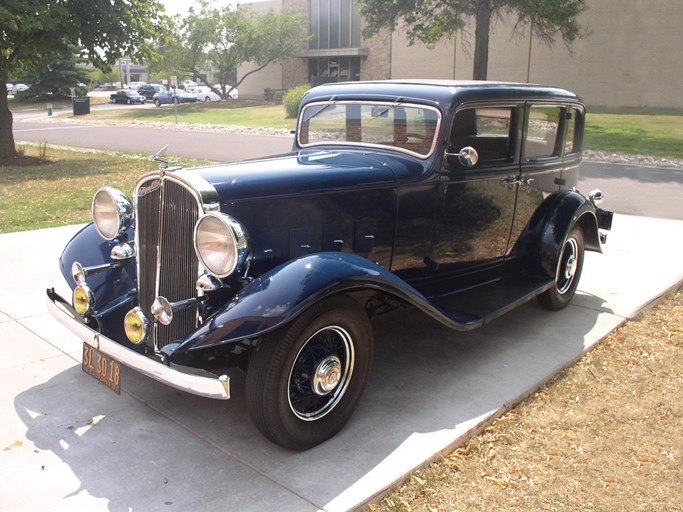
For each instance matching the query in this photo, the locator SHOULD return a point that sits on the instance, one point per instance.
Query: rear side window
(541, 132)
(572, 143)
(487, 129)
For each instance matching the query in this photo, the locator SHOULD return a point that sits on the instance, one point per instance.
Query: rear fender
(546, 233)
(283, 293)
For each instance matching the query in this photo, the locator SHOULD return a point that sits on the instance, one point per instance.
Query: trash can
(81, 105)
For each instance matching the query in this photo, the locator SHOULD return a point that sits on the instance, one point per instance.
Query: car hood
(306, 172)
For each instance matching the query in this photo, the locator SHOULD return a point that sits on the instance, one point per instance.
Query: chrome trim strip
(217, 388)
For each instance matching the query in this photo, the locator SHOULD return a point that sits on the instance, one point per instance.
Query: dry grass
(607, 435)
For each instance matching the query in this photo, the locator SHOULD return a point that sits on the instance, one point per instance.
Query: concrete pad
(30, 262)
(157, 448)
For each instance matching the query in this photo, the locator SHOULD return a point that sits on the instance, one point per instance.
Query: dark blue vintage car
(454, 198)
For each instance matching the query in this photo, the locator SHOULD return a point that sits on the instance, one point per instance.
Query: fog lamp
(136, 326)
(83, 299)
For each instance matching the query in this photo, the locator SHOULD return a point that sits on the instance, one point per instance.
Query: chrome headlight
(112, 212)
(220, 243)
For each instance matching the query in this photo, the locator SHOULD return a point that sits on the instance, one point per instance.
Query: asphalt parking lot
(68, 443)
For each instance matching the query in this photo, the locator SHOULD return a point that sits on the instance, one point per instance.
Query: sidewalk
(69, 443)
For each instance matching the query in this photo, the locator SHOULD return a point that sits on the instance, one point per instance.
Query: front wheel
(567, 273)
(304, 380)
(157, 103)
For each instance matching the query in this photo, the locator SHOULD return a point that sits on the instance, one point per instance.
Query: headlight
(112, 212)
(220, 243)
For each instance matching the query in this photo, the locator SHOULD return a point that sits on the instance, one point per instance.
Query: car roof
(437, 92)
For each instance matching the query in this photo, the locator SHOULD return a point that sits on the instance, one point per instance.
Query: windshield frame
(386, 106)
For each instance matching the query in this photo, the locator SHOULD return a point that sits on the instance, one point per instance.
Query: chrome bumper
(218, 388)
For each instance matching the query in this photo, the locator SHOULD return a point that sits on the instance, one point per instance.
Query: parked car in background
(204, 93)
(127, 96)
(234, 94)
(149, 90)
(19, 88)
(457, 199)
(10, 88)
(173, 96)
(134, 85)
(189, 85)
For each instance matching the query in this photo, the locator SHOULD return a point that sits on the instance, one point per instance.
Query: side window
(541, 132)
(572, 141)
(486, 129)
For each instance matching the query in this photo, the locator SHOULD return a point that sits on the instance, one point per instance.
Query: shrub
(293, 98)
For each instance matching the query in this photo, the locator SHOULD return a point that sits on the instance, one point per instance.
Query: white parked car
(204, 93)
(10, 88)
(234, 94)
(19, 88)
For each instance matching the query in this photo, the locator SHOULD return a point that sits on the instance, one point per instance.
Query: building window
(333, 69)
(333, 24)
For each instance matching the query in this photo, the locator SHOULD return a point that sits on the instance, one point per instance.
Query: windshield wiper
(383, 112)
(332, 101)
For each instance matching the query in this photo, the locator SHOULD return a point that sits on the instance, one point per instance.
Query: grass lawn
(656, 135)
(60, 190)
(235, 113)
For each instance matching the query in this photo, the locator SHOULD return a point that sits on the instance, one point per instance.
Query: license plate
(102, 367)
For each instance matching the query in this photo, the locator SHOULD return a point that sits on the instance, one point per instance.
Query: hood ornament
(159, 157)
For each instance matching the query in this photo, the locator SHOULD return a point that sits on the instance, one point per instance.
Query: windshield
(404, 127)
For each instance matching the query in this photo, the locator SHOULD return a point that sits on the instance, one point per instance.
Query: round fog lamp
(136, 326)
(83, 299)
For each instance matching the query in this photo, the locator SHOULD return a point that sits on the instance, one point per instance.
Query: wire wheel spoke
(321, 373)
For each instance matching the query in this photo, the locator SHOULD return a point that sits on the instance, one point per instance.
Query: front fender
(283, 293)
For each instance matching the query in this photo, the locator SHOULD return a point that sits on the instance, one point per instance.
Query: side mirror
(467, 156)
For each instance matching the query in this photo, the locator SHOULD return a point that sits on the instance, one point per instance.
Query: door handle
(511, 181)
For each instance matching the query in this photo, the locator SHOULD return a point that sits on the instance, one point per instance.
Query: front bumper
(210, 387)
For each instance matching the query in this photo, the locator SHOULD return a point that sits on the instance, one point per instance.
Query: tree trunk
(481, 40)
(7, 149)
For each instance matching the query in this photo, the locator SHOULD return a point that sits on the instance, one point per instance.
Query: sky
(181, 6)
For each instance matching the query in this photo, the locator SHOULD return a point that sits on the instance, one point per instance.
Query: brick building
(632, 57)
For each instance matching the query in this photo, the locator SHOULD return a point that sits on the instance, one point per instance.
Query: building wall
(269, 77)
(632, 57)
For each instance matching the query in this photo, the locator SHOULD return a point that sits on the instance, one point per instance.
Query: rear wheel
(157, 103)
(567, 274)
(305, 380)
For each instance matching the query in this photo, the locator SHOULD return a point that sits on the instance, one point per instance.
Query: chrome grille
(167, 212)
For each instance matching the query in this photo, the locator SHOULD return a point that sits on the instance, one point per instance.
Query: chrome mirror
(468, 156)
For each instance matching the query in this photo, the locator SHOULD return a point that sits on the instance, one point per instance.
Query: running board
(483, 304)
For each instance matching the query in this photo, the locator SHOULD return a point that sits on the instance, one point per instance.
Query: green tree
(430, 20)
(54, 79)
(223, 38)
(35, 31)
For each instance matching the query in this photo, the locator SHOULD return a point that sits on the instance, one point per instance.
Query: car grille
(167, 212)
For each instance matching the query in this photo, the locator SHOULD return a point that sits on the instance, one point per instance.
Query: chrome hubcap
(569, 263)
(327, 375)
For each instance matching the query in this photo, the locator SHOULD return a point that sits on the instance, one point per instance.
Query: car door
(476, 204)
(542, 157)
